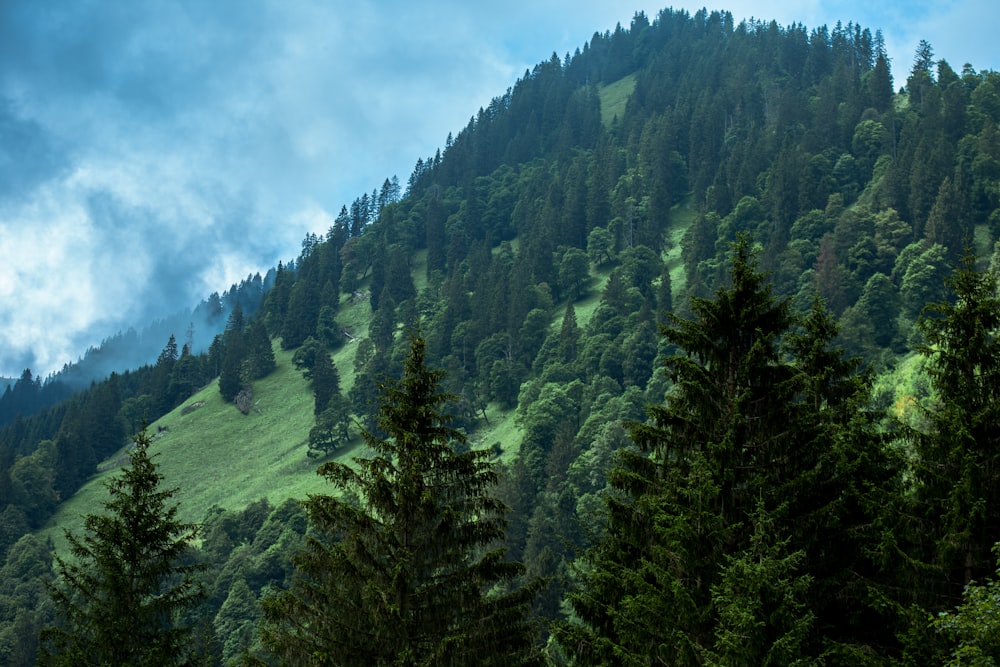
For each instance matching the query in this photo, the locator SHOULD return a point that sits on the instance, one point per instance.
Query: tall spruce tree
(231, 377)
(410, 574)
(120, 596)
(715, 446)
(844, 498)
(713, 534)
(958, 454)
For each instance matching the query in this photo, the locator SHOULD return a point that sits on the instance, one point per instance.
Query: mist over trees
(132, 349)
(740, 295)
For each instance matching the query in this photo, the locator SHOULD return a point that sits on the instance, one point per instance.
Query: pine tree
(716, 449)
(231, 377)
(164, 399)
(325, 381)
(733, 538)
(959, 453)
(259, 353)
(844, 500)
(187, 376)
(120, 597)
(408, 575)
(303, 311)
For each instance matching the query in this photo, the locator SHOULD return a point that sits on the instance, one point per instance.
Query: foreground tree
(679, 514)
(958, 453)
(726, 538)
(406, 574)
(120, 596)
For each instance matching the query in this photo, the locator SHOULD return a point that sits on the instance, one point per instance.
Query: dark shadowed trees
(404, 568)
(958, 465)
(729, 537)
(120, 597)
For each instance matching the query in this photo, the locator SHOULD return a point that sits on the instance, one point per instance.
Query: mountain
(539, 252)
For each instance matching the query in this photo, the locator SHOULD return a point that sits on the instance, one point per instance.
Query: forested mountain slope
(540, 252)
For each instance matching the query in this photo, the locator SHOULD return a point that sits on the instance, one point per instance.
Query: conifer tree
(410, 573)
(716, 447)
(303, 311)
(165, 363)
(959, 453)
(725, 536)
(233, 340)
(325, 381)
(844, 498)
(259, 360)
(120, 596)
(187, 376)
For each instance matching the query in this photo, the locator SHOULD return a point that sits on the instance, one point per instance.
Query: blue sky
(154, 152)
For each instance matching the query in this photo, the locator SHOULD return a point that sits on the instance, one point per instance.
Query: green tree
(24, 574)
(761, 599)
(973, 627)
(259, 361)
(844, 501)
(924, 280)
(234, 622)
(717, 447)
(325, 381)
(406, 576)
(303, 308)
(234, 345)
(731, 539)
(120, 599)
(187, 376)
(958, 466)
(574, 273)
(946, 223)
(332, 429)
(664, 293)
(398, 279)
(165, 363)
(328, 330)
(305, 357)
(31, 484)
(600, 245)
(639, 351)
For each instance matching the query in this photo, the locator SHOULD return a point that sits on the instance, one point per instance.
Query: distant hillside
(218, 457)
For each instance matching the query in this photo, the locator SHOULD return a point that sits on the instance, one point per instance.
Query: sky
(154, 152)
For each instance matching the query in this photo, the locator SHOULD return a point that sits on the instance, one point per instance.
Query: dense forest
(740, 291)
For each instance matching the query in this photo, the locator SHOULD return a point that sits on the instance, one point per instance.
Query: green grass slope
(614, 96)
(214, 455)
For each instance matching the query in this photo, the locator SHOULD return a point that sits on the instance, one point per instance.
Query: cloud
(155, 152)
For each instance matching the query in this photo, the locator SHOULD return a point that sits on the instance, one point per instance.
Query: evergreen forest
(683, 351)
